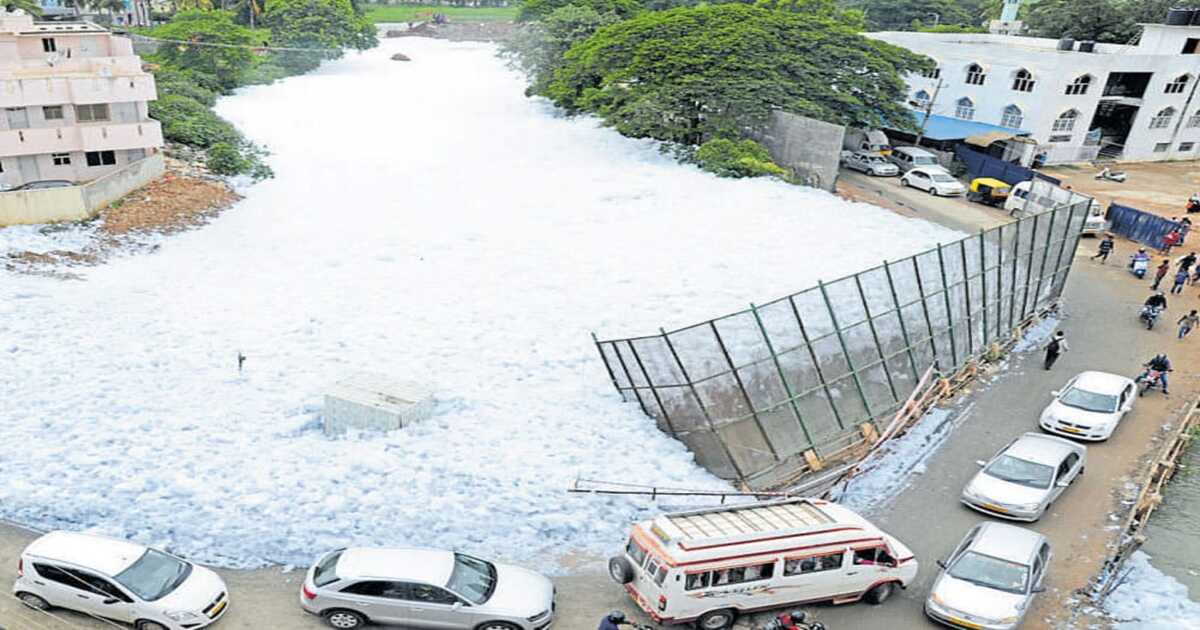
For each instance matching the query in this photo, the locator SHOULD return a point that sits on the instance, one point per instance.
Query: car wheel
(33, 601)
(497, 625)
(880, 593)
(620, 569)
(345, 619)
(716, 619)
(932, 191)
(149, 625)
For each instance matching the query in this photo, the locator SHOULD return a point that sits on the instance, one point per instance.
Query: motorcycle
(1138, 266)
(1148, 380)
(1110, 175)
(1149, 315)
(795, 620)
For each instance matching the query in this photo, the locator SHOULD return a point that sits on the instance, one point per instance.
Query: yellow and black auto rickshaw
(987, 190)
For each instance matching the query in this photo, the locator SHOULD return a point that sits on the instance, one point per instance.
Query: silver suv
(425, 588)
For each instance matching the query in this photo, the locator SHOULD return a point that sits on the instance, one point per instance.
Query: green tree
(32, 7)
(328, 26)
(537, 48)
(688, 75)
(219, 66)
(898, 15)
(1098, 20)
(736, 158)
(540, 9)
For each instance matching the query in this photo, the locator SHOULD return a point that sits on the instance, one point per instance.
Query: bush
(173, 81)
(266, 70)
(226, 159)
(188, 121)
(742, 158)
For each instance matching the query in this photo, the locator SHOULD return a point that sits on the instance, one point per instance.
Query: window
(1060, 138)
(1079, 85)
(935, 73)
(1194, 121)
(48, 44)
(376, 588)
(874, 555)
(921, 98)
(52, 112)
(1177, 85)
(100, 158)
(1162, 119)
(964, 109)
(1162, 147)
(61, 159)
(1191, 46)
(694, 581)
(55, 574)
(636, 553)
(325, 573)
(431, 595)
(1, 166)
(738, 575)
(91, 113)
(1066, 121)
(815, 564)
(1012, 117)
(975, 74)
(1184, 147)
(1023, 81)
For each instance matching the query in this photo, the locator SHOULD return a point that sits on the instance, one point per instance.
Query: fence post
(1037, 295)
(787, 388)
(949, 314)
(925, 309)
(712, 427)
(1058, 267)
(1016, 263)
(812, 355)
(887, 371)
(962, 255)
(629, 378)
(611, 375)
(1029, 268)
(653, 390)
(837, 329)
(1071, 260)
(742, 387)
(983, 286)
(912, 361)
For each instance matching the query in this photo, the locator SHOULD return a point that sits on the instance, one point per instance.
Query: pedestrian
(1057, 346)
(1186, 262)
(1185, 227)
(1196, 276)
(1181, 278)
(1106, 247)
(1187, 323)
(1169, 241)
(1160, 273)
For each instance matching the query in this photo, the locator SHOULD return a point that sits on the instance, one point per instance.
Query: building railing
(106, 137)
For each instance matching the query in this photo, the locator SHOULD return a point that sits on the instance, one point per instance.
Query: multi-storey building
(73, 102)
(1076, 99)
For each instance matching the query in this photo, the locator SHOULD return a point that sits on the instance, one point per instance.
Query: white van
(1035, 196)
(907, 158)
(708, 566)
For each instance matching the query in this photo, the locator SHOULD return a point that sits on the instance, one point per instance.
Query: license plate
(995, 508)
(963, 623)
(1071, 430)
(216, 611)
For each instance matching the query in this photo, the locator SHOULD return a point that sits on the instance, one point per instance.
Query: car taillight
(20, 567)
(662, 602)
(307, 593)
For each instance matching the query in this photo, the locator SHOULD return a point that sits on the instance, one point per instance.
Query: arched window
(1066, 121)
(1177, 85)
(1023, 81)
(964, 109)
(975, 74)
(921, 98)
(1162, 119)
(1080, 85)
(1194, 121)
(1012, 117)
(934, 73)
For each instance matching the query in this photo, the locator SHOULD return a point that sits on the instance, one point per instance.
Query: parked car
(119, 580)
(872, 140)
(1025, 477)
(869, 163)
(1089, 406)
(935, 181)
(906, 158)
(680, 567)
(425, 588)
(991, 578)
(43, 184)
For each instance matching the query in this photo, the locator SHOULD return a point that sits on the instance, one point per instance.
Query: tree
(1097, 20)
(537, 48)
(895, 15)
(692, 74)
(741, 158)
(327, 26)
(32, 7)
(539, 9)
(219, 66)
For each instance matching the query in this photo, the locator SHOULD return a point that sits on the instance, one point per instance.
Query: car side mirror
(111, 600)
(457, 605)
(1064, 483)
(941, 563)
(980, 462)
(1039, 589)
(1054, 393)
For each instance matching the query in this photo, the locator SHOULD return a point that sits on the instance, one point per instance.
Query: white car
(1090, 406)
(1025, 477)
(119, 580)
(991, 578)
(425, 588)
(869, 163)
(933, 180)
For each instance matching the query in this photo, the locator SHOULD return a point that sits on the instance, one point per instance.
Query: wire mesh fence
(751, 392)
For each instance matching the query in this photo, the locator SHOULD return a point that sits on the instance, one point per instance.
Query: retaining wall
(75, 203)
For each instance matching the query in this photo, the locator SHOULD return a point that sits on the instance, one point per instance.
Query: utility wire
(221, 45)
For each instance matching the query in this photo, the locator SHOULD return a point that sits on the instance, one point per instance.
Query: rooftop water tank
(1087, 47)
(1066, 43)
(1179, 17)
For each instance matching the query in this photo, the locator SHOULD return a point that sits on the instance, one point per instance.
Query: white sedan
(1090, 406)
(869, 163)
(1025, 477)
(933, 180)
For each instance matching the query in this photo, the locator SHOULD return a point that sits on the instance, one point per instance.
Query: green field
(415, 12)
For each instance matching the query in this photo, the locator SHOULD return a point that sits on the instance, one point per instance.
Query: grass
(416, 12)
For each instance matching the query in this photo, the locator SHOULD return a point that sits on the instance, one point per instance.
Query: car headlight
(937, 599)
(181, 615)
(539, 616)
(1012, 619)
(1028, 507)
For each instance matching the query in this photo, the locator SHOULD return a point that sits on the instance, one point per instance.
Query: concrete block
(375, 402)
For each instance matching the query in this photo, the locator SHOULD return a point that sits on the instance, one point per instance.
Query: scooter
(1110, 175)
(794, 620)
(1138, 266)
(1149, 314)
(1149, 380)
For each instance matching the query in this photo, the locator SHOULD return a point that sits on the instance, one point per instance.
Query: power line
(220, 45)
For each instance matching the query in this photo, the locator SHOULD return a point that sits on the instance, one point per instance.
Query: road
(1101, 301)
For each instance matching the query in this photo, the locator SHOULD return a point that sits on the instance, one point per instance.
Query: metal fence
(752, 392)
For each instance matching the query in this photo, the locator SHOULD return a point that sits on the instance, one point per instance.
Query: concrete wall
(76, 203)
(808, 148)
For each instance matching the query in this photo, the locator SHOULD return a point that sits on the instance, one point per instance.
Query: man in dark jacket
(1186, 262)
(1161, 364)
(613, 621)
(1158, 300)
(1057, 346)
(1106, 247)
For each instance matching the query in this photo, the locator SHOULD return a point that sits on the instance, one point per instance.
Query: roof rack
(755, 518)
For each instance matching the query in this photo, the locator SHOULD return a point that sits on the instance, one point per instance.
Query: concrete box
(375, 402)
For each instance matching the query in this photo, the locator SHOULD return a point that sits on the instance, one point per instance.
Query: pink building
(73, 102)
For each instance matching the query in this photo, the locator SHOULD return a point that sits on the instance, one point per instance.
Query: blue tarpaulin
(947, 128)
(981, 165)
(1139, 226)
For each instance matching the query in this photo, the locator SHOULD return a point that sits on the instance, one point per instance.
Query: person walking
(1187, 323)
(1160, 273)
(1106, 247)
(1181, 278)
(1169, 241)
(1056, 347)
(1186, 262)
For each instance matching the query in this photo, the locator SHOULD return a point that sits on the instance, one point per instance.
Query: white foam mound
(1151, 600)
(431, 223)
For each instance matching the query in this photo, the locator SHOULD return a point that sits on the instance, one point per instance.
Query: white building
(1135, 102)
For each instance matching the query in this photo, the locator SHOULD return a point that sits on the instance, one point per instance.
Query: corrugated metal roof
(948, 128)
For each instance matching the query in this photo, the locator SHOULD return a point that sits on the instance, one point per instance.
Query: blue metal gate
(1139, 226)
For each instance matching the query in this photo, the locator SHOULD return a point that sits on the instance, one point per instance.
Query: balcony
(116, 136)
(76, 90)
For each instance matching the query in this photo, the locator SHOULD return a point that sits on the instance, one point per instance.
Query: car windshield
(942, 177)
(154, 575)
(472, 578)
(924, 160)
(875, 159)
(990, 572)
(1088, 401)
(325, 572)
(1020, 471)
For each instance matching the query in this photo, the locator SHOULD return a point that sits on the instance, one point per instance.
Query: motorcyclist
(1158, 300)
(613, 621)
(1161, 364)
